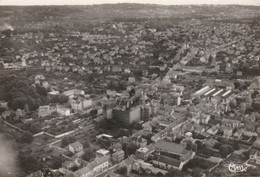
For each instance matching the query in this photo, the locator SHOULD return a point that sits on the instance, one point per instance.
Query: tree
(41, 90)
(258, 130)
(18, 103)
(86, 144)
(74, 168)
(210, 59)
(122, 170)
(237, 85)
(26, 137)
(89, 154)
(204, 73)
(34, 127)
(63, 99)
(28, 162)
(195, 147)
(59, 99)
(66, 140)
(254, 94)
(189, 145)
(2, 110)
(57, 162)
(232, 104)
(225, 150)
(93, 112)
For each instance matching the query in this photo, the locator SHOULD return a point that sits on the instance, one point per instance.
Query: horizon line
(202, 4)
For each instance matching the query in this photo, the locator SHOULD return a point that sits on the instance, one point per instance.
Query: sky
(163, 2)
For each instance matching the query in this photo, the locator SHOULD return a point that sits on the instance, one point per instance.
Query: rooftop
(76, 144)
(168, 160)
(170, 147)
(102, 151)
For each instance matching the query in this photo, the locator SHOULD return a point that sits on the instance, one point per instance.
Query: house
(147, 126)
(118, 156)
(3, 104)
(45, 110)
(92, 169)
(178, 89)
(116, 68)
(238, 134)
(74, 92)
(131, 79)
(213, 130)
(128, 163)
(228, 126)
(224, 84)
(75, 147)
(116, 146)
(68, 164)
(140, 165)
(211, 142)
(138, 141)
(80, 104)
(39, 77)
(6, 114)
(169, 155)
(144, 152)
(252, 122)
(227, 131)
(200, 118)
(45, 84)
(19, 113)
(198, 128)
(102, 152)
(254, 156)
(47, 172)
(52, 93)
(63, 111)
(104, 136)
(127, 70)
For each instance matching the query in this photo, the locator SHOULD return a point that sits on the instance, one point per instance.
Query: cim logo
(237, 168)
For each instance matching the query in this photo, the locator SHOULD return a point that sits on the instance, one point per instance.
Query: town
(85, 94)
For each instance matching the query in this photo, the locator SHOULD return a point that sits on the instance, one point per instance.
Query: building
(74, 92)
(63, 111)
(138, 141)
(252, 122)
(200, 118)
(127, 116)
(213, 130)
(254, 156)
(75, 147)
(81, 104)
(146, 111)
(116, 68)
(45, 110)
(128, 163)
(144, 152)
(226, 84)
(102, 152)
(46, 172)
(169, 155)
(92, 169)
(228, 126)
(178, 89)
(104, 137)
(200, 92)
(118, 156)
